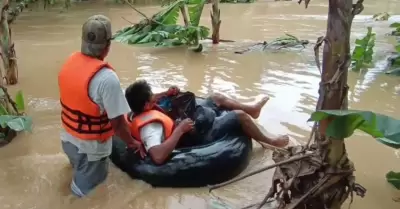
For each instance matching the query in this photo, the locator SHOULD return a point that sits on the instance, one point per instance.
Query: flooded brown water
(34, 173)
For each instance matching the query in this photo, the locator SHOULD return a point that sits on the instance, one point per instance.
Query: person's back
(92, 104)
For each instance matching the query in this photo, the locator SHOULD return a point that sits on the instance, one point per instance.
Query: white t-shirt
(105, 90)
(152, 135)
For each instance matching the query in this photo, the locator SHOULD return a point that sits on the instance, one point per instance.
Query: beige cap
(96, 34)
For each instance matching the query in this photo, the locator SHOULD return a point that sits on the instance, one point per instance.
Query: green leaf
(292, 36)
(398, 48)
(363, 52)
(344, 122)
(3, 110)
(394, 179)
(170, 15)
(195, 8)
(395, 25)
(16, 123)
(359, 42)
(135, 38)
(2, 93)
(19, 101)
(381, 16)
(162, 29)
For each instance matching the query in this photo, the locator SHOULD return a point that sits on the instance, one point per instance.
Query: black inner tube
(197, 166)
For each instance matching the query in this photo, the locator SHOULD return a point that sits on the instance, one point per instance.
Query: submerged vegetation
(363, 51)
(394, 60)
(286, 41)
(383, 16)
(162, 29)
(396, 29)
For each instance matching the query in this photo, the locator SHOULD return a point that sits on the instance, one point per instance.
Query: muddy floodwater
(35, 174)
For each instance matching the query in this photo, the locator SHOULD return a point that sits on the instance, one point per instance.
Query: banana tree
(7, 47)
(162, 28)
(324, 177)
(7, 51)
(320, 174)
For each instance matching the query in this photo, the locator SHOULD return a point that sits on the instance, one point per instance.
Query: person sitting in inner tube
(159, 134)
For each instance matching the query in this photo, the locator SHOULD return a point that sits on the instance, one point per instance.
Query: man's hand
(185, 125)
(173, 91)
(138, 147)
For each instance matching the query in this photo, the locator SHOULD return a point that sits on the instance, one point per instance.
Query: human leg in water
(238, 119)
(251, 130)
(253, 110)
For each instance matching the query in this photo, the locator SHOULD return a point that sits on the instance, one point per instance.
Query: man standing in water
(93, 107)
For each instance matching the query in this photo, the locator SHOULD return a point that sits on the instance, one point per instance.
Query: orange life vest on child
(80, 115)
(138, 121)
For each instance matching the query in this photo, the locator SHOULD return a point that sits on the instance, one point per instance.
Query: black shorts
(225, 121)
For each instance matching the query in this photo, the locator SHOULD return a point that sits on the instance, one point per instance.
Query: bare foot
(281, 141)
(256, 108)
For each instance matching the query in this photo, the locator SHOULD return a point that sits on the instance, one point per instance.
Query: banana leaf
(169, 16)
(162, 29)
(394, 179)
(19, 101)
(195, 8)
(344, 122)
(16, 123)
(362, 53)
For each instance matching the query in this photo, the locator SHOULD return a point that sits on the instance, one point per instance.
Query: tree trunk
(319, 175)
(324, 179)
(215, 21)
(333, 95)
(335, 65)
(184, 15)
(7, 46)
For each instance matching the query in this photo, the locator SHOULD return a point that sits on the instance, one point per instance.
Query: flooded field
(34, 173)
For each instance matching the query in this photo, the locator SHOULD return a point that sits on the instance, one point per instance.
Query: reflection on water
(35, 174)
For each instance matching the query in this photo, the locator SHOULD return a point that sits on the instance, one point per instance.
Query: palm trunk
(215, 21)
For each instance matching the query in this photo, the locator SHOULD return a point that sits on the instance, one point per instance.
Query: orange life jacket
(147, 117)
(80, 115)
